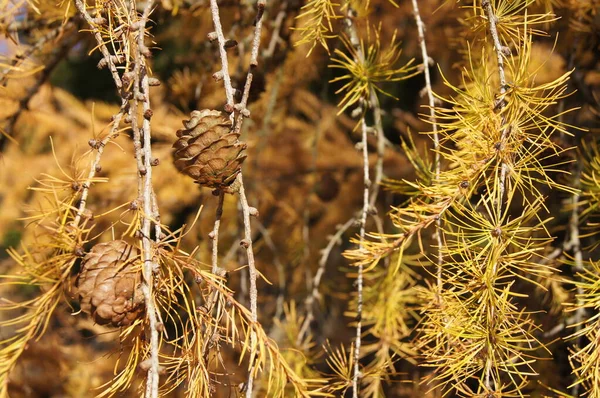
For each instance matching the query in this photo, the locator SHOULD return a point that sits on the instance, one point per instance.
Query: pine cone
(208, 151)
(109, 285)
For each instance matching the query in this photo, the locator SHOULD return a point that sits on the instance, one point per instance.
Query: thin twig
(575, 244)
(265, 130)
(436, 139)
(275, 37)
(95, 165)
(247, 243)
(144, 160)
(316, 283)
(278, 265)
(214, 9)
(242, 106)
(313, 283)
(81, 7)
(359, 277)
(214, 235)
(568, 322)
(378, 170)
(354, 40)
(116, 118)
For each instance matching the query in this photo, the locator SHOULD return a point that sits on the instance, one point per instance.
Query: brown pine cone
(208, 151)
(109, 284)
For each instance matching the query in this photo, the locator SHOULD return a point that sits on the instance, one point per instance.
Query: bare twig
(214, 235)
(275, 38)
(242, 106)
(316, 282)
(492, 20)
(354, 40)
(247, 243)
(95, 165)
(264, 132)
(359, 278)
(378, 170)
(214, 9)
(572, 320)
(278, 265)
(575, 244)
(313, 283)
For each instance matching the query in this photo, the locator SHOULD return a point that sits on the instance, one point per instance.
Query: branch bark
(143, 154)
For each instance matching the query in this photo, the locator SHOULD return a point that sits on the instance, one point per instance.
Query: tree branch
(214, 9)
(243, 112)
(316, 283)
(247, 243)
(143, 154)
(436, 138)
(362, 220)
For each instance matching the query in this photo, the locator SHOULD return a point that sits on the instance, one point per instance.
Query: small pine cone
(208, 151)
(109, 285)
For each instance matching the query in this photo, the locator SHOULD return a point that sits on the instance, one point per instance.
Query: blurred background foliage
(303, 172)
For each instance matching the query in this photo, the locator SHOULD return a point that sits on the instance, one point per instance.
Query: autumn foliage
(315, 198)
